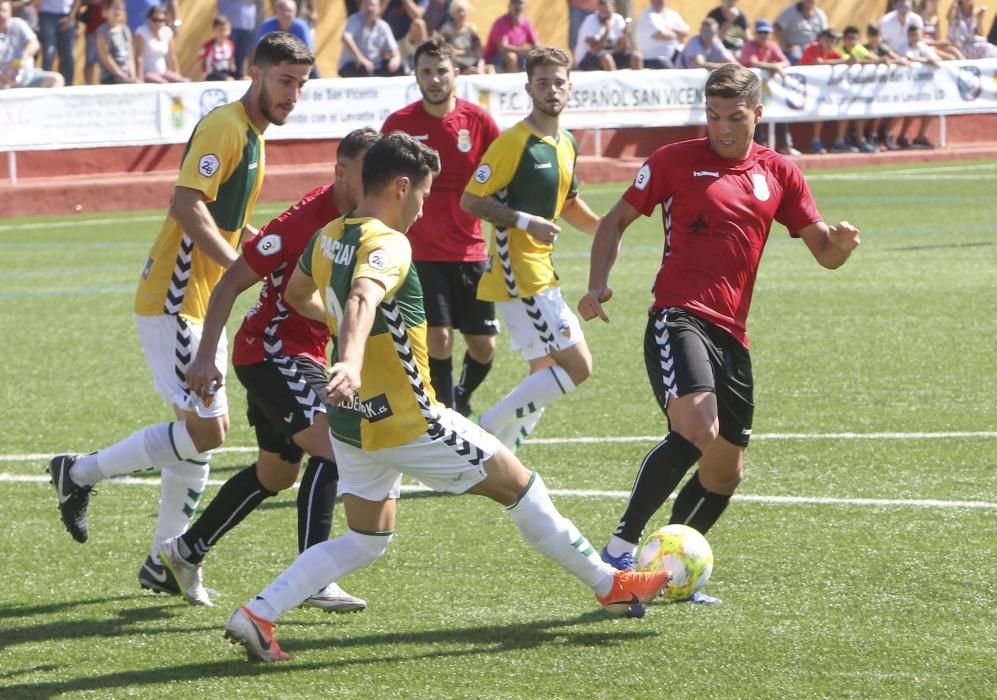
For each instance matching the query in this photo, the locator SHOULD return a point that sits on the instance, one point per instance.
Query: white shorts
(556, 328)
(375, 475)
(161, 338)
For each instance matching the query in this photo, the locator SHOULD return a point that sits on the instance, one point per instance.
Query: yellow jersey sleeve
(214, 152)
(498, 165)
(385, 258)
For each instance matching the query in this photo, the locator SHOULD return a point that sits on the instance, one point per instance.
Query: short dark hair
(871, 31)
(396, 155)
(220, 21)
(280, 47)
(852, 30)
(734, 80)
(435, 47)
(546, 56)
(357, 142)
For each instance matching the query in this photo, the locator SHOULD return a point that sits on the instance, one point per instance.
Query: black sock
(441, 374)
(659, 474)
(237, 498)
(472, 374)
(697, 507)
(316, 499)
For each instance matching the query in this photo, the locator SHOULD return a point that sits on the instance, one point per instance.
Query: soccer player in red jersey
(280, 357)
(448, 248)
(718, 196)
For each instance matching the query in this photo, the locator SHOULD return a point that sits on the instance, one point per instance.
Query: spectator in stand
(602, 41)
(928, 10)
(882, 53)
(285, 19)
(405, 17)
(137, 10)
(18, 46)
(992, 35)
(732, 25)
(115, 49)
(469, 54)
(762, 53)
(660, 34)
(817, 53)
(894, 24)
(57, 32)
(26, 10)
(845, 142)
(369, 47)
(242, 15)
(798, 26)
(91, 14)
(218, 53)
(512, 37)
(578, 10)
(155, 51)
(705, 50)
(917, 50)
(965, 30)
(438, 13)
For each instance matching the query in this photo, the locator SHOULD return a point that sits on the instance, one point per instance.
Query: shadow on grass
(484, 641)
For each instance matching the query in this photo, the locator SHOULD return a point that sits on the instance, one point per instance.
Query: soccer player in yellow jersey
(524, 182)
(385, 420)
(220, 178)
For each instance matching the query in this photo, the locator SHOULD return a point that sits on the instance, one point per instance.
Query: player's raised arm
(354, 329)
(605, 247)
(831, 245)
(190, 211)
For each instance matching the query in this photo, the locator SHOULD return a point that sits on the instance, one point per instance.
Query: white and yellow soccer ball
(684, 552)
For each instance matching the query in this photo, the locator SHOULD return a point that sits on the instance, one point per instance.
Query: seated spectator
(285, 20)
(26, 10)
(115, 48)
(91, 14)
(762, 53)
(798, 26)
(928, 11)
(155, 51)
(438, 13)
(578, 10)
(661, 32)
(218, 53)
(242, 15)
(893, 25)
(880, 127)
(965, 31)
(17, 54)
(602, 41)
(917, 50)
(819, 52)
(369, 47)
(732, 25)
(469, 54)
(405, 17)
(854, 52)
(138, 10)
(705, 50)
(512, 36)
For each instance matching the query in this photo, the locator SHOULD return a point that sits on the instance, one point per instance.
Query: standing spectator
(218, 53)
(405, 17)
(57, 31)
(155, 50)
(820, 52)
(798, 26)
(578, 10)
(369, 47)
(732, 25)
(512, 37)
(92, 16)
(469, 54)
(705, 50)
(660, 33)
(602, 41)
(18, 46)
(242, 15)
(762, 53)
(115, 48)
(965, 30)
(894, 24)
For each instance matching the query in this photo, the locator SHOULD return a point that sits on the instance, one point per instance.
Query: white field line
(152, 482)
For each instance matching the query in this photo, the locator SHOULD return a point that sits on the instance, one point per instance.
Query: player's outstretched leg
(73, 498)
(255, 634)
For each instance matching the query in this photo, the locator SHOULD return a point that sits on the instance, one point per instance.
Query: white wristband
(522, 221)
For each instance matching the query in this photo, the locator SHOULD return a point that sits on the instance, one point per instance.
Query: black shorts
(685, 354)
(450, 291)
(283, 398)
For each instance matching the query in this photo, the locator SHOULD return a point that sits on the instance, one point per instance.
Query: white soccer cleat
(190, 577)
(332, 598)
(255, 634)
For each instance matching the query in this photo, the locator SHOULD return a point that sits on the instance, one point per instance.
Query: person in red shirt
(218, 53)
(448, 248)
(719, 196)
(280, 357)
(816, 53)
(511, 38)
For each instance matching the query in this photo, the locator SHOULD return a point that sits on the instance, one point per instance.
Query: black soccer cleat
(461, 402)
(73, 499)
(157, 578)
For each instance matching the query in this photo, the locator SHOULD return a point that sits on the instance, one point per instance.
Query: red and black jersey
(717, 214)
(272, 327)
(446, 232)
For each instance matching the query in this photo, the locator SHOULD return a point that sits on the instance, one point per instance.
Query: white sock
(152, 447)
(515, 432)
(554, 536)
(181, 486)
(317, 567)
(530, 396)
(617, 547)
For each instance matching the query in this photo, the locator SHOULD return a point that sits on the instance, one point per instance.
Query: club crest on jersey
(464, 140)
(378, 259)
(268, 245)
(482, 174)
(761, 186)
(208, 165)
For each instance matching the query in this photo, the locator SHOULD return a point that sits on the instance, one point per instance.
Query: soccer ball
(684, 552)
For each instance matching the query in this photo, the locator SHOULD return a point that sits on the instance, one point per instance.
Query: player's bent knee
(276, 476)
(369, 548)
(207, 434)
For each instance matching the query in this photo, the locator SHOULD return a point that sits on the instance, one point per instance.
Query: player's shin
(697, 507)
(182, 484)
(530, 396)
(316, 499)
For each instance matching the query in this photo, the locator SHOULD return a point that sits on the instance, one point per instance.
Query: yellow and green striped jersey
(224, 160)
(396, 396)
(533, 174)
